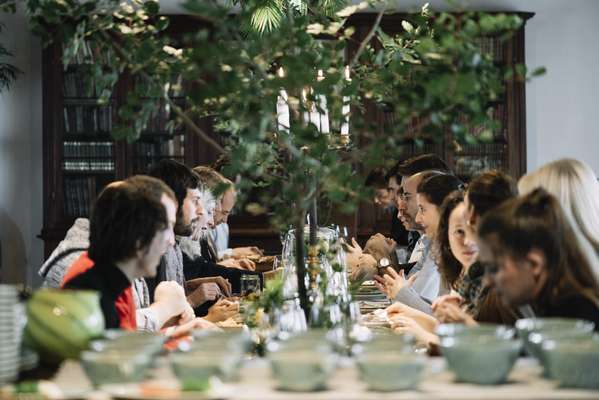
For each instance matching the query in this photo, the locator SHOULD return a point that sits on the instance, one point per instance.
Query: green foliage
(8, 72)
(433, 72)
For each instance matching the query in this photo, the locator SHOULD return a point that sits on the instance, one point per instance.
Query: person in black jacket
(130, 230)
(535, 258)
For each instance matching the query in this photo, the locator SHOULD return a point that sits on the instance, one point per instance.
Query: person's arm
(408, 296)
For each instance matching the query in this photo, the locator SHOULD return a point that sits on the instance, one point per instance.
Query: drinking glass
(250, 284)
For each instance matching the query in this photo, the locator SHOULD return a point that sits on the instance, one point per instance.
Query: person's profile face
(189, 213)
(161, 242)
(223, 210)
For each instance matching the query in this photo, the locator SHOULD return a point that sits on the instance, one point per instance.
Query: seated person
(204, 282)
(68, 250)
(536, 258)
(120, 249)
(423, 284)
(225, 196)
(384, 198)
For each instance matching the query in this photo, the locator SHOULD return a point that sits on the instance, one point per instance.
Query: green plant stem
(368, 37)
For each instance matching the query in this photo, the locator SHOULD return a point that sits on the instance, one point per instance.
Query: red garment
(125, 306)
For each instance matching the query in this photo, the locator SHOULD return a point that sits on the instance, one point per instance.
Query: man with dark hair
(408, 174)
(385, 199)
(186, 186)
(210, 280)
(130, 230)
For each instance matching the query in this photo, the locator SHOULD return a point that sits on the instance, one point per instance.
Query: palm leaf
(267, 18)
(8, 72)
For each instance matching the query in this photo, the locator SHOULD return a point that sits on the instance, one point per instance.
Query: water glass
(250, 284)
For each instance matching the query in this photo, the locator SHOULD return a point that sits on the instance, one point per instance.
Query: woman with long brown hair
(536, 258)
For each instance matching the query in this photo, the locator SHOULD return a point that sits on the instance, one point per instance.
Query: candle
(282, 107)
(322, 100)
(345, 108)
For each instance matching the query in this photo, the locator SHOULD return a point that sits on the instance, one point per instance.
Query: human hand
(449, 312)
(364, 269)
(353, 248)
(392, 282)
(203, 293)
(222, 310)
(406, 325)
(223, 284)
(380, 246)
(398, 309)
(243, 263)
(245, 252)
(170, 297)
(188, 327)
(447, 298)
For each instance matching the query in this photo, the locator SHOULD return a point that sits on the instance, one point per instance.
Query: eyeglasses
(404, 196)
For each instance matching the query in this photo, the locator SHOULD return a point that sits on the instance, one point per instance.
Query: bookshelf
(81, 157)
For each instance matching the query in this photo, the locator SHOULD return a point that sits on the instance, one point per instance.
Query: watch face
(384, 262)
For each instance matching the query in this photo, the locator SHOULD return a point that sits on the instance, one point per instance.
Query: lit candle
(282, 107)
(324, 116)
(345, 108)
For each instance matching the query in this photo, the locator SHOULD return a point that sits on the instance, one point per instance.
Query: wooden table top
(437, 383)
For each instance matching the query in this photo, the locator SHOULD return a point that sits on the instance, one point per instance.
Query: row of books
(87, 119)
(491, 46)
(78, 195)
(88, 165)
(173, 147)
(74, 149)
(78, 82)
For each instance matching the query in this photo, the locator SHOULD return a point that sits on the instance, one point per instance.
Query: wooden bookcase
(81, 157)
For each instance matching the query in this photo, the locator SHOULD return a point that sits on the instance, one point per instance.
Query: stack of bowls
(482, 354)
(122, 357)
(549, 326)
(218, 354)
(11, 333)
(389, 363)
(303, 363)
(573, 362)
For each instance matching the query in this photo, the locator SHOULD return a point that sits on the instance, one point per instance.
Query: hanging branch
(368, 37)
(180, 113)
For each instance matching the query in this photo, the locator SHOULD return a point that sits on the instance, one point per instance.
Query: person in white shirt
(225, 197)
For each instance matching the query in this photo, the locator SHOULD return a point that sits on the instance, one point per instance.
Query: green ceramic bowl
(484, 360)
(60, 323)
(231, 340)
(384, 343)
(529, 325)
(114, 367)
(574, 363)
(300, 370)
(195, 368)
(536, 340)
(480, 330)
(390, 371)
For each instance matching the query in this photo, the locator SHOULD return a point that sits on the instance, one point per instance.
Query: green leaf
(152, 7)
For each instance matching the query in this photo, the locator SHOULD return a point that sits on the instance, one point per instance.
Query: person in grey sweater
(423, 284)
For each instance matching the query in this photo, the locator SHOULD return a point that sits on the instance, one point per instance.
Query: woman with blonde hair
(575, 185)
